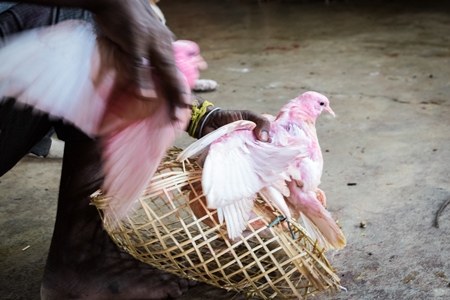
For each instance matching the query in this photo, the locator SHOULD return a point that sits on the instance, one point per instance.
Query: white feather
(238, 166)
(236, 216)
(47, 68)
(276, 197)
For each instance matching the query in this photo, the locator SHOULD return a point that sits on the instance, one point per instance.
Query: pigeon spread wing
(236, 168)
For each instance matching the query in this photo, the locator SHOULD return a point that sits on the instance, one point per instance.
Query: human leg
(83, 262)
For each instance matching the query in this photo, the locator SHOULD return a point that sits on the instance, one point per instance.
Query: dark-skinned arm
(214, 118)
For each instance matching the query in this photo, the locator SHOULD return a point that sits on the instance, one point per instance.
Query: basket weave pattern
(163, 231)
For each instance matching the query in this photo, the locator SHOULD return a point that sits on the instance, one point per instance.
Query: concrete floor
(385, 65)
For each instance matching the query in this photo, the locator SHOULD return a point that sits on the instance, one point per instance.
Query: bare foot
(83, 262)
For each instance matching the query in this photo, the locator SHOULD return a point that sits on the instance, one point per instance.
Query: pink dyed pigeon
(72, 74)
(235, 170)
(298, 117)
(237, 166)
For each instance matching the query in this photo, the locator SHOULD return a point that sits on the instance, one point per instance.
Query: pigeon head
(188, 60)
(313, 103)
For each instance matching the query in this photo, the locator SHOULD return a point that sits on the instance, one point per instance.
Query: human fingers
(262, 128)
(219, 118)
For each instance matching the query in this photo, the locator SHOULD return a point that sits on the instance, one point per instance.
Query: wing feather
(132, 155)
(318, 221)
(276, 198)
(238, 166)
(236, 216)
(50, 69)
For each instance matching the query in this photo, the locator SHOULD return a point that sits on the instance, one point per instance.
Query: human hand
(135, 28)
(219, 117)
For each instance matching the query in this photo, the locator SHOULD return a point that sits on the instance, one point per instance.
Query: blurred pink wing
(59, 70)
(51, 69)
(56, 70)
(131, 156)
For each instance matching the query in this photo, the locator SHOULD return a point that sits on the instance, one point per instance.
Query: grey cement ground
(385, 65)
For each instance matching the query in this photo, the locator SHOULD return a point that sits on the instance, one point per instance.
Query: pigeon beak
(329, 110)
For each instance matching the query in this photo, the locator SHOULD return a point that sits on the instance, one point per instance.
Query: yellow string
(197, 114)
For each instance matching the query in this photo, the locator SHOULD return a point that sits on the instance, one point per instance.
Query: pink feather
(72, 74)
(298, 117)
(238, 166)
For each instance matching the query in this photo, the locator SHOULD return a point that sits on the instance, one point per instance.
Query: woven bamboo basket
(269, 260)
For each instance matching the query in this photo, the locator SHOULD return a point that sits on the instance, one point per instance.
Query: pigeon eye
(322, 103)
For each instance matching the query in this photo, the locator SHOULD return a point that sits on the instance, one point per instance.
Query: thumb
(262, 128)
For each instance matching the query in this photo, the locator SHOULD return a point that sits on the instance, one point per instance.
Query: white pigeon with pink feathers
(287, 170)
(299, 117)
(71, 73)
(237, 166)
